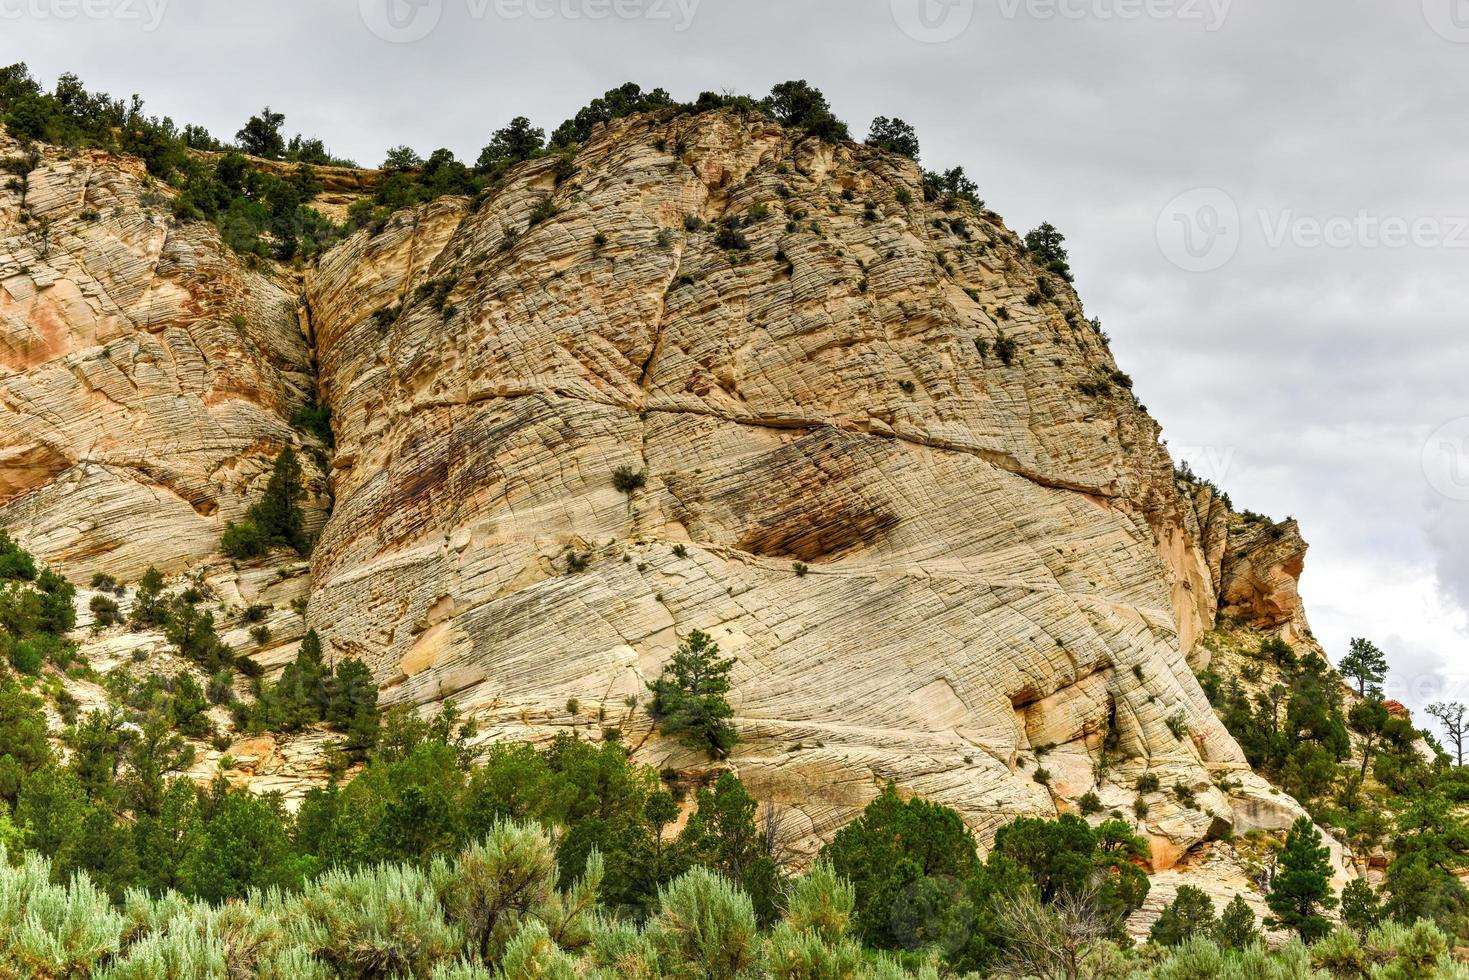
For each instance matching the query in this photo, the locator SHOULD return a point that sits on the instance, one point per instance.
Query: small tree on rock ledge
(276, 521)
(689, 696)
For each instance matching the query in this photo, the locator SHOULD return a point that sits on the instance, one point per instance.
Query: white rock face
(888, 465)
(146, 377)
(997, 559)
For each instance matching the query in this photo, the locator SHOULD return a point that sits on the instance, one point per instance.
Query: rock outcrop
(147, 375)
(884, 460)
(890, 467)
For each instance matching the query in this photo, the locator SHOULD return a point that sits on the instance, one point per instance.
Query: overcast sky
(1265, 200)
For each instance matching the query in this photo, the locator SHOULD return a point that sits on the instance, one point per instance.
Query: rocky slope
(146, 375)
(888, 464)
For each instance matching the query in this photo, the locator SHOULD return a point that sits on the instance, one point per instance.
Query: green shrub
(1005, 348)
(628, 480)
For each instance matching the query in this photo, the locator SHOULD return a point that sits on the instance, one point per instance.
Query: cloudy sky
(1265, 200)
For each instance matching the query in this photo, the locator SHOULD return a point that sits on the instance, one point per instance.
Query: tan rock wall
(994, 555)
(146, 375)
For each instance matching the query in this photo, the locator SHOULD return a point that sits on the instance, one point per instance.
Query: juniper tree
(893, 135)
(689, 696)
(262, 137)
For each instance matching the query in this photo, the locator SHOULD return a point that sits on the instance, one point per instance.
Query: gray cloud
(1316, 371)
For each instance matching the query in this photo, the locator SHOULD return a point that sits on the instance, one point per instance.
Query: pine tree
(352, 706)
(689, 696)
(1360, 908)
(149, 608)
(1365, 664)
(278, 516)
(1301, 890)
(1191, 913)
(276, 521)
(1236, 926)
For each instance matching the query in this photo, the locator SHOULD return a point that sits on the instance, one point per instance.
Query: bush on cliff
(276, 521)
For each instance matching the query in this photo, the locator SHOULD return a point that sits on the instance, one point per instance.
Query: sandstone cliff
(999, 573)
(146, 375)
(889, 466)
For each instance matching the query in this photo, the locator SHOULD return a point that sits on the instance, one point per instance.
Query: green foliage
(689, 696)
(1048, 247)
(193, 635)
(243, 845)
(949, 188)
(308, 692)
(1236, 926)
(1005, 348)
(261, 135)
(1301, 889)
(615, 104)
(798, 104)
(402, 158)
(316, 419)
(893, 135)
(893, 846)
(517, 142)
(16, 564)
(1360, 908)
(722, 835)
(1191, 913)
(1365, 664)
(705, 927)
(276, 521)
